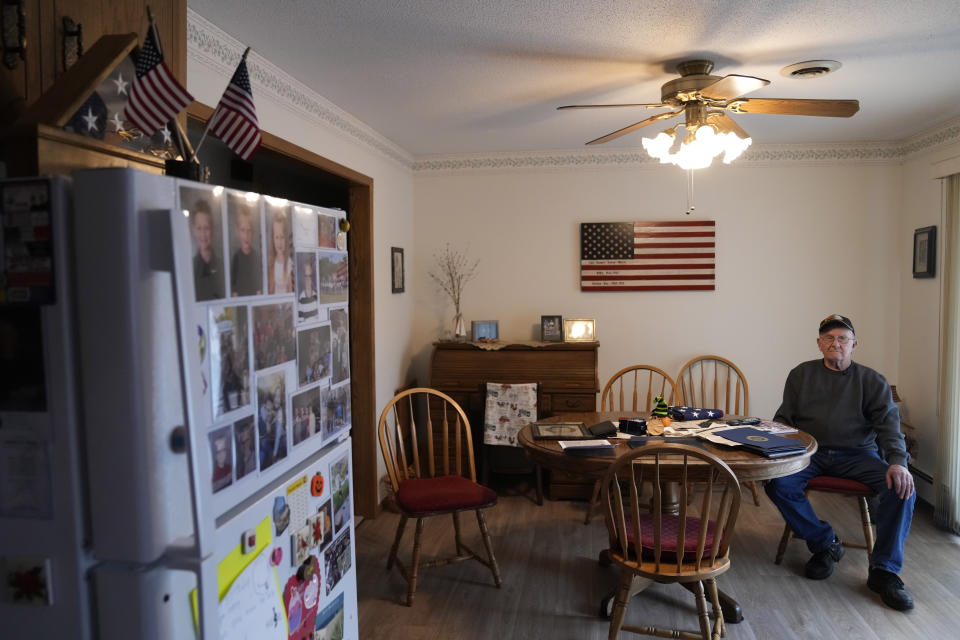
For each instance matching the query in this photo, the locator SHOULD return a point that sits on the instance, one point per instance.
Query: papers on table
(757, 441)
(774, 427)
(587, 447)
(715, 433)
(688, 427)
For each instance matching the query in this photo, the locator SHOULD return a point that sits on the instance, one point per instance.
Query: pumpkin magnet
(316, 485)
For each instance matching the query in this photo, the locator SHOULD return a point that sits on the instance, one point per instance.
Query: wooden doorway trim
(360, 262)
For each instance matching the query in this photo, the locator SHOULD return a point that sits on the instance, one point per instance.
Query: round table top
(747, 466)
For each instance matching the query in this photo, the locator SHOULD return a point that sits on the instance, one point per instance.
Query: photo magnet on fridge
(301, 541)
(281, 514)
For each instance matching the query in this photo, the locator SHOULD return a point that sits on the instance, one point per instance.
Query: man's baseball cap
(836, 321)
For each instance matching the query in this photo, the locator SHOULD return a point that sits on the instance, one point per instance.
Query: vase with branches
(452, 271)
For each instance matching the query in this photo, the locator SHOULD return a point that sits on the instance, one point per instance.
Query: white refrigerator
(174, 412)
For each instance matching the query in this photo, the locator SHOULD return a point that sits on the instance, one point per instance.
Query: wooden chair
(639, 384)
(632, 389)
(716, 383)
(843, 486)
(508, 408)
(691, 548)
(432, 471)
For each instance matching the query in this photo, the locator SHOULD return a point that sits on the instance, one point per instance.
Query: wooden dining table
(747, 467)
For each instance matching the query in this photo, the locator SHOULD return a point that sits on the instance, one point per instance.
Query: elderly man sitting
(849, 409)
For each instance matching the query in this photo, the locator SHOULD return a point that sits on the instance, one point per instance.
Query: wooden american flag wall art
(648, 255)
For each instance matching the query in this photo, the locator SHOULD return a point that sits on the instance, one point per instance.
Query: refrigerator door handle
(161, 239)
(178, 439)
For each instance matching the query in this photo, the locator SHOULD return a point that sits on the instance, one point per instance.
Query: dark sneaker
(820, 564)
(891, 589)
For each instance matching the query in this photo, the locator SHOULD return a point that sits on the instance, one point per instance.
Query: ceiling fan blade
(633, 127)
(604, 106)
(787, 106)
(732, 86)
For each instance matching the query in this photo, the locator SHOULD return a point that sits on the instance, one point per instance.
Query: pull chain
(690, 206)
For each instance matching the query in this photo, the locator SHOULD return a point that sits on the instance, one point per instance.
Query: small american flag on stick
(648, 256)
(155, 96)
(235, 120)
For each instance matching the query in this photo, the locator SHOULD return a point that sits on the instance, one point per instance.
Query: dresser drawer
(569, 402)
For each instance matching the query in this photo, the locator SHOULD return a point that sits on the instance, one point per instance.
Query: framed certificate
(560, 431)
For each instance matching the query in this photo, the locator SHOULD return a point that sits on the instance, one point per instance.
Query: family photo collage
(271, 284)
(317, 513)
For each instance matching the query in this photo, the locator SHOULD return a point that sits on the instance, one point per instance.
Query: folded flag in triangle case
(693, 413)
(766, 444)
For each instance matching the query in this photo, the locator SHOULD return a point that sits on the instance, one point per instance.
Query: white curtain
(947, 477)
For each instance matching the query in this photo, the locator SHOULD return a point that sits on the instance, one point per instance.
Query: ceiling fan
(704, 99)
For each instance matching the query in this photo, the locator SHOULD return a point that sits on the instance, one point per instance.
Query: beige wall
(920, 300)
(795, 243)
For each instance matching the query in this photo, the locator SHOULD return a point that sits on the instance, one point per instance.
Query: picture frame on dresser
(579, 330)
(925, 252)
(485, 330)
(551, 328)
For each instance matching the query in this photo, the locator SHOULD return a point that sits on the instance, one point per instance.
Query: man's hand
(900, 480)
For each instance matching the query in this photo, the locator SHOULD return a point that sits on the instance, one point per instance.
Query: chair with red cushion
(691, 548)
(843, 486)
(431, 468)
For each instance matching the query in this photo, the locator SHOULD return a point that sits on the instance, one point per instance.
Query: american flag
(156, 96)
(235, 120)
(648, 256)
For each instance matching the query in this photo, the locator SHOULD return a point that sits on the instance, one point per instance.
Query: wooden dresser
(566, 371)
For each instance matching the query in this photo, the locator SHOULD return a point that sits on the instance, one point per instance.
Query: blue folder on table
(763, 443)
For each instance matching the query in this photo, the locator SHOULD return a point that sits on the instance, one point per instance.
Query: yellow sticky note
(233, 565)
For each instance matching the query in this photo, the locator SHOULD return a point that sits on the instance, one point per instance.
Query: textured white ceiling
(461, 76)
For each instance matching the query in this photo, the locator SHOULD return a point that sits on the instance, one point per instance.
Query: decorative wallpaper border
(756, 156)
(210, 46)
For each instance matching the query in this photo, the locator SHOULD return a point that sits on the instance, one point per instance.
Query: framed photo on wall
(396, 260)
(551, 328)
(925, 252)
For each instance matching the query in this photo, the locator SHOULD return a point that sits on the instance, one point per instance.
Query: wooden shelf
(39, 149)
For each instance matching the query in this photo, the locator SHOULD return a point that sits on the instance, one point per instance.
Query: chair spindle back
(716, 383)
(643, 383)
(647, 537)
(442, 446)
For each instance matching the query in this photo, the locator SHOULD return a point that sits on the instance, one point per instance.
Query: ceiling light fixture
(709, 134)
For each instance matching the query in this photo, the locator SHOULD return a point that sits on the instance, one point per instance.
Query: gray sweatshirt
(844, 409)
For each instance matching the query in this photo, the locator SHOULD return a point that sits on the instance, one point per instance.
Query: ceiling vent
(810, 69)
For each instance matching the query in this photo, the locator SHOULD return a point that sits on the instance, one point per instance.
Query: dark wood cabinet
(50, 47)
(566, 372)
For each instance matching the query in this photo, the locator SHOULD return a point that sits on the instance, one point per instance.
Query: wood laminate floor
(553, 584)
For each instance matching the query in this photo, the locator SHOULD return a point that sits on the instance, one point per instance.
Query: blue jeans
(892, 515)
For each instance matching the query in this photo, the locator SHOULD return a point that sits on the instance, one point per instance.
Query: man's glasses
(841, 340)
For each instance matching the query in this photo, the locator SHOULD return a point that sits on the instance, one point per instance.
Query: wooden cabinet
(566, 372)
(50, 47)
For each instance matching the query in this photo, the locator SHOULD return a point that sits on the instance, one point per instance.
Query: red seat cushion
(831, 484)
(446, 493)
(668, 535)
